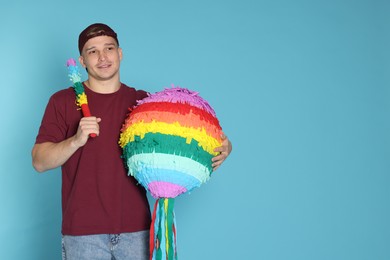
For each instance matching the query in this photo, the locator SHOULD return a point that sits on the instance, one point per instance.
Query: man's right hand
(49, 155)
(87, 126)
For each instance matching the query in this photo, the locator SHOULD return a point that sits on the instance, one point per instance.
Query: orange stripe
(189, 120)
(178, 108)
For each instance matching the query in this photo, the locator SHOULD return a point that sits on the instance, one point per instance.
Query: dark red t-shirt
(97, 195)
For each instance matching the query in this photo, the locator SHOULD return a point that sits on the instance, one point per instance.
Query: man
(105, 213)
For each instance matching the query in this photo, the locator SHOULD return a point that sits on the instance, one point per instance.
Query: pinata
(168, 142)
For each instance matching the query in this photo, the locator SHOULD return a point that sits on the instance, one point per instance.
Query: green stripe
(78, 87)
(168, 144)
(159, 233)
(171, 203)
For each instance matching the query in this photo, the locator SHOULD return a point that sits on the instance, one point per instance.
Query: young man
(105, 213)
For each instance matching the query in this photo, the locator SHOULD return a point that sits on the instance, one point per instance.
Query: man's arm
(49, 155)
(46, 156)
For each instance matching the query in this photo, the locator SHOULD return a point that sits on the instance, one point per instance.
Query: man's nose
(102, 56)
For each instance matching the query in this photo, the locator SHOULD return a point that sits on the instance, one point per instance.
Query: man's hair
(94, 30)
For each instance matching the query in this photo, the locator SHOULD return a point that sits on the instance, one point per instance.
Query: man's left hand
(224, 151)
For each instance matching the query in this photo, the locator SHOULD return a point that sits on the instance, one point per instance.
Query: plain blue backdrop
(300, 87)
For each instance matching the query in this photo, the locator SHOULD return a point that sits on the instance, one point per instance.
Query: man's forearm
(46, 156)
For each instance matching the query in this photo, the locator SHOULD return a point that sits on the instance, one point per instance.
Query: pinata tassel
(81, 97)
(163, 231)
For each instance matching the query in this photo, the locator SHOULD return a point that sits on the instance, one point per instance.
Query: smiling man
(105, 214)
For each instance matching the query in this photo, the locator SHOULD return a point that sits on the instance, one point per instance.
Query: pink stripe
(179, 95)
(161, 189)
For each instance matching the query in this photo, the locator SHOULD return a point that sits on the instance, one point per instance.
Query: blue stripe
(147, 174)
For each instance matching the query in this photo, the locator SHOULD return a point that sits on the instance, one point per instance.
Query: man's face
(101, 56)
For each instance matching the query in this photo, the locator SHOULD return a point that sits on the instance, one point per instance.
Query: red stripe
(86, 113)
(179, 108)
(85, 109)
(174, 237)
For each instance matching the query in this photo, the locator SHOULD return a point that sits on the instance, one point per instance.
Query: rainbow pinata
(168, 142)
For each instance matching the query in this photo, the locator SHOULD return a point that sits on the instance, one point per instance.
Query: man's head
(94, 30)
(100, 53)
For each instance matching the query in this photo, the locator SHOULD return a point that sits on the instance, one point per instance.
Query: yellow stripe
(166, 226)
(207, 142)
(82, 99)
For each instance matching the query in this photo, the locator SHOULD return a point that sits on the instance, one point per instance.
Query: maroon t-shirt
(97, 195)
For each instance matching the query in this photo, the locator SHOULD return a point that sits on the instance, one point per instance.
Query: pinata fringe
(169, 144)
(163, 231)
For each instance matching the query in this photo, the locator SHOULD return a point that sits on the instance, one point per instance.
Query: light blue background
(300, 87)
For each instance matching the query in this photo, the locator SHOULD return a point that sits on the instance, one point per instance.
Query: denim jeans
(129, 246)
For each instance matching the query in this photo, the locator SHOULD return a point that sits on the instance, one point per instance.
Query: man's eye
(91, 52)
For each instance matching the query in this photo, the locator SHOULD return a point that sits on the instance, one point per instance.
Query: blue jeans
(129, 246)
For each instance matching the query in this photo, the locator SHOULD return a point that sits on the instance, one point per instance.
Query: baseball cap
(94, 30)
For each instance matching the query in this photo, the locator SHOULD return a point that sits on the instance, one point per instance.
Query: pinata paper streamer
(168, 142)
(81, 97)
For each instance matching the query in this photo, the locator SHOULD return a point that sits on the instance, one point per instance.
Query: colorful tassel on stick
(81, 97)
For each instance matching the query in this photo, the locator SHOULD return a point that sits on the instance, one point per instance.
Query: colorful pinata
(168, 142)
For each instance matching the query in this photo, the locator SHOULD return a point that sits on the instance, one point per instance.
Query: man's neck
(103, 87)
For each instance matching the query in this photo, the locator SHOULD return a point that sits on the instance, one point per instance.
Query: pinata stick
(81, 97)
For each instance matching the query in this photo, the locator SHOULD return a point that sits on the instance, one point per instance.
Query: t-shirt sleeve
(141, 94)
(53, 126)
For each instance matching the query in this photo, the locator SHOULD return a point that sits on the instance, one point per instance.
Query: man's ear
(120, 53)
(81, 60)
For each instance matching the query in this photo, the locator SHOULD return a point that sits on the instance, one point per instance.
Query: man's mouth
(104, 66)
